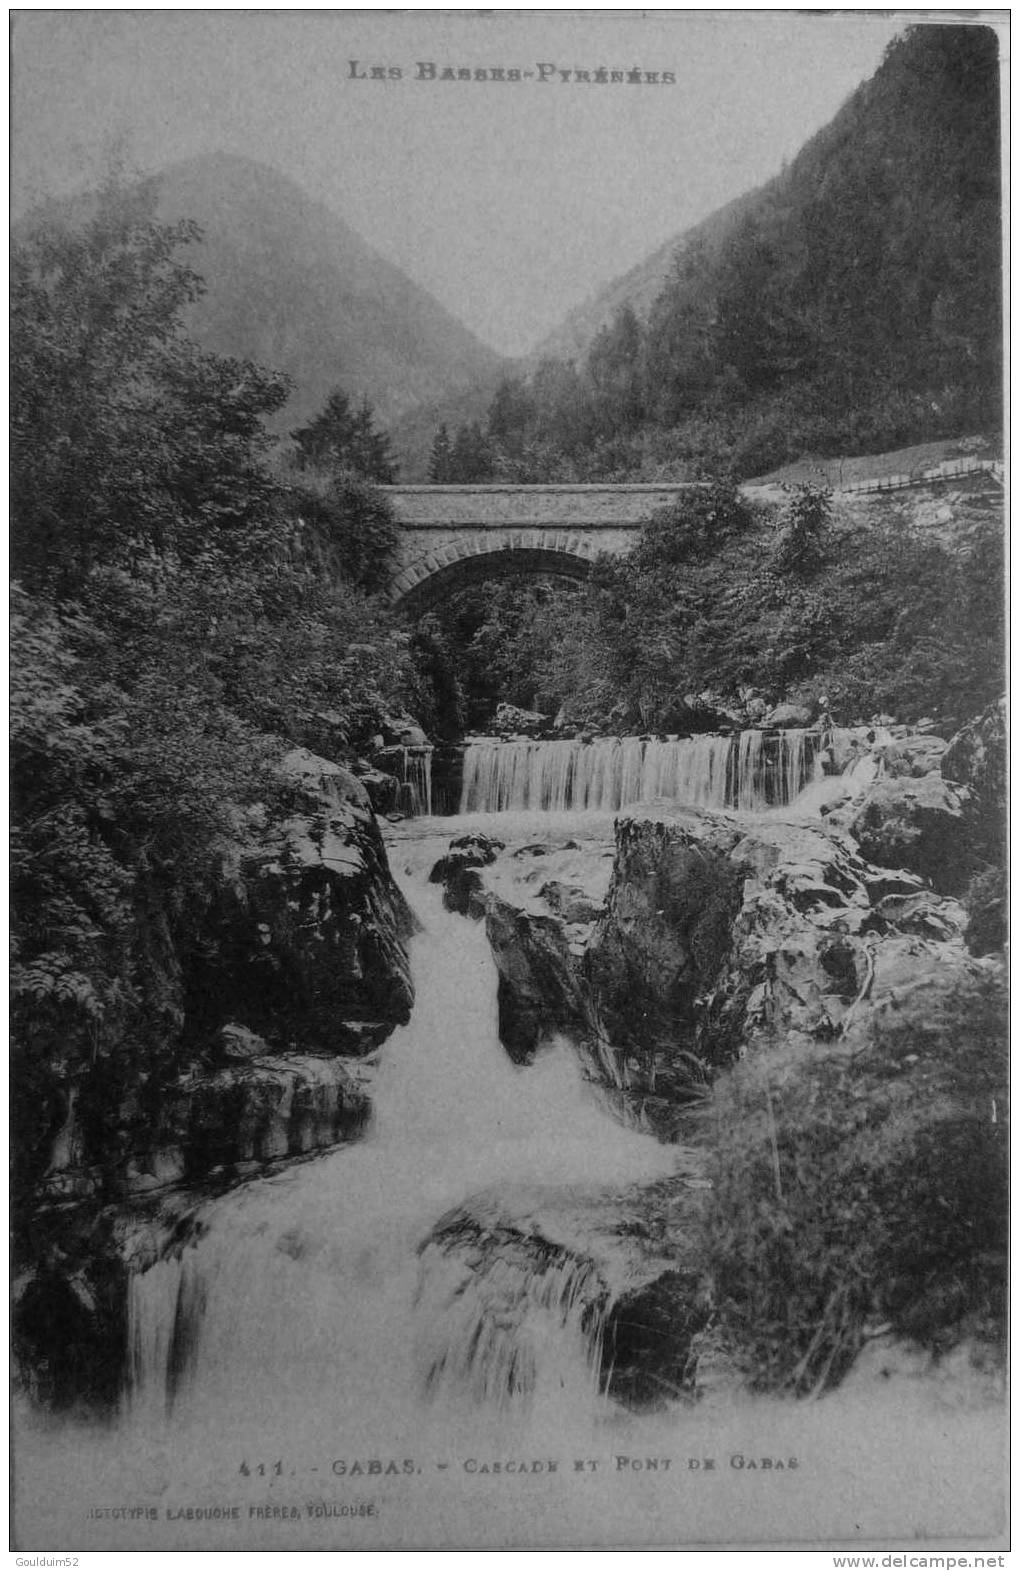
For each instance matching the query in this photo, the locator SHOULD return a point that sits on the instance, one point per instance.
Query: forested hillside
(852, 304)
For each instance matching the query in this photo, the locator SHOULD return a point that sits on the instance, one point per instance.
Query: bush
(864, 1185)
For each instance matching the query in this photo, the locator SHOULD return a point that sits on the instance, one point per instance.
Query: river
(279, 1395)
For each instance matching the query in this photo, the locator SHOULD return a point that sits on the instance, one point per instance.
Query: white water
(414, 795)
(299, 1299)
(316, 1324)
(748, 772)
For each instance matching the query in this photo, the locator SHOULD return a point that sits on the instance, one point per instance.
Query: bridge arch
(492, 554)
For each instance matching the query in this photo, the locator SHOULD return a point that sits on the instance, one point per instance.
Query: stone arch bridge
(450, 534)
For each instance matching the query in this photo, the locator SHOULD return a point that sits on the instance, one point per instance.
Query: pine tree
(441, 458)
(340, 439)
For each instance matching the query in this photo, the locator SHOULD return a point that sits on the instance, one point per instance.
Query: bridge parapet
(495, 506)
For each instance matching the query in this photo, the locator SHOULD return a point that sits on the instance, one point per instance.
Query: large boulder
(785, 716)
(510, 720)
(660, 946)
(723, 936)
(308, 931)
(457, 871)
(918, 824)
(916, 755)
(976, 759)
(539, 990)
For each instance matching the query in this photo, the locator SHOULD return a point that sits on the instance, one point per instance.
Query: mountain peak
(290, 284)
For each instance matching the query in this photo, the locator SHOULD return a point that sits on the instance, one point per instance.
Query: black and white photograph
(508, 779)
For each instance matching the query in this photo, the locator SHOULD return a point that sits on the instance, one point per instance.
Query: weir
(754, 770)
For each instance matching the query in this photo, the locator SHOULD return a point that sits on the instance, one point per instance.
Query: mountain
(290, 285)
(852, 304)
(911, 159)
(639, 287)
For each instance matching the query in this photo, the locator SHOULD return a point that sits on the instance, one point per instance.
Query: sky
(512, 201)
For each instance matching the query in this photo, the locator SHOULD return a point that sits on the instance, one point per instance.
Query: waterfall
(487, 1323)
(752, 771)
(414, 796)
(308, 1294)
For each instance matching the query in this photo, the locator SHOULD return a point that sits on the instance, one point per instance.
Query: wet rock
(977, 760)
(484, 847)
(69, 1332)
(539, 991)
(789, 715)
(276, 1108)
(722, 937)
(463, 890)
(661, 944)
(308, 928)
(545, 848)
(510, 720)
(570, 902)
(912, 755)
(383, 789)
(650, 1356)
(403, 731)
(602, 1256)
(237, 1043)
(457, 871)
(916, 824)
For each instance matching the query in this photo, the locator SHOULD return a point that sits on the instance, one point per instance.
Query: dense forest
(852, 305)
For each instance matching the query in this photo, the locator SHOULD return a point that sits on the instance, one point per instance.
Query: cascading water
(378, 1348)
(751, 771)
(414, 794)
(298, 1296)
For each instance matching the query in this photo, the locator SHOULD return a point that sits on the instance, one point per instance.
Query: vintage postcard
(508, 870)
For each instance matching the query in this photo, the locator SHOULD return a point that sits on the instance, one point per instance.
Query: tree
(510, 416)
(339, 438)
(441, 458)
(471, 459)
(353, 527)
(124, 436)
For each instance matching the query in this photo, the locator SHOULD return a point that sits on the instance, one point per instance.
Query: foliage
(438, 698)
(467, 459)
(864, 1185)
(124, 437)
(498, 640)
(716, 597)
(440, 459)
(340, 439)
(350, 527)
(185, 614)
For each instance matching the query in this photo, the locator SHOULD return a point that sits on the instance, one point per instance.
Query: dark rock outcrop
(307, 930)
(977, 759)
(787, 715)
(719, 934)
(658, 951)
(301, 957)
(457, 872)
(539, 990)
(915, 823)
